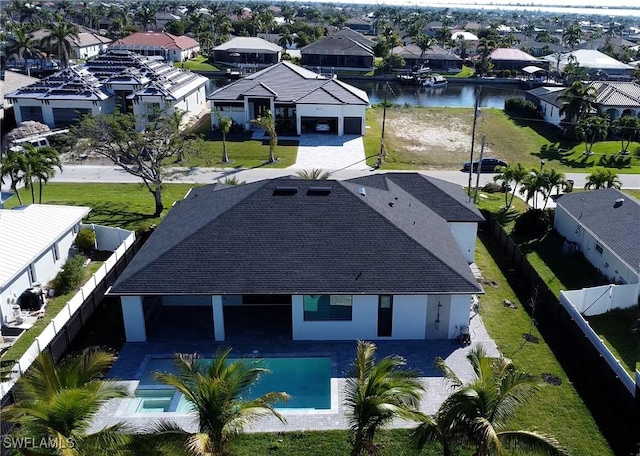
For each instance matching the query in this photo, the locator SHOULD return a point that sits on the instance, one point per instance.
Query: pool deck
(418, 354)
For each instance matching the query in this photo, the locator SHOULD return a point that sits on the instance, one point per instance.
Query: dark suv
(488, 165)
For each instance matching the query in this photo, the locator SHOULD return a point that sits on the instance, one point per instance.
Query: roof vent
(315, 190)
(362, 191)
(619, 202)
(281, 190)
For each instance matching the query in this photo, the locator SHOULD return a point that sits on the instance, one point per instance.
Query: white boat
(435, 81)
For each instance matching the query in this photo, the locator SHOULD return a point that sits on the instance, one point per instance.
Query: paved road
(113, 174)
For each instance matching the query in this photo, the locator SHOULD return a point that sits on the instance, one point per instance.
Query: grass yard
(440, 138)
(243, 151)
(200, 63)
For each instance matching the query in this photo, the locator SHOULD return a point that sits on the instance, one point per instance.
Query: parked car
(323, 126)
(488, 165)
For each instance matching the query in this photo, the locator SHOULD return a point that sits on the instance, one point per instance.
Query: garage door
(353, 125)
(63, 117)
(320, 125)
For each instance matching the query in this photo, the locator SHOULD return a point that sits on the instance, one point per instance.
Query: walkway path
(331, 153)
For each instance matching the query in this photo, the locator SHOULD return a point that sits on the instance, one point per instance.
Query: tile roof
(355, 36)
(248, 240)
(591, 59)
(548, 94)
(337, 45)
(156, 39)
(29, 231)
(12, 82)
(512, 54)
(413, 51)
(290, 83)
(244, 44)
(616, 226)
(617, 93)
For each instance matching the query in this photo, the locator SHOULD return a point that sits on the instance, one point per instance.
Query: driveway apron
(330, 152)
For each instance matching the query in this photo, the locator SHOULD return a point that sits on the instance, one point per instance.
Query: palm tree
(376, 393)
(533, 183)
(314, 174)
(21, 44)
(480, 410)
(58, 402)
(552, 179)
(573, 35)
(59, 40)
(268, 124)
(592, 129)
(12, 166)
(224, 124)
(145, 16)
(43, 162)
(217, 392)
(425, 43)
(577, 101)
(484, 49)
(512, 174)
(286, 38)
(602, 178)
(628, 128)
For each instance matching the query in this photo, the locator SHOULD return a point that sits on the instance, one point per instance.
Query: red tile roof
(159, 39)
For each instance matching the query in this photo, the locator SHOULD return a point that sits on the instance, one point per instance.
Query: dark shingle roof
(337, 45)
(444, 198)
(616, 226)
(246, 240)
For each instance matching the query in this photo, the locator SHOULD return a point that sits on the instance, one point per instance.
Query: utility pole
(473, 138)
(475, 197)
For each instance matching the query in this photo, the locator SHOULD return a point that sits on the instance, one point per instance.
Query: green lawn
(440, 138)
(200, 63)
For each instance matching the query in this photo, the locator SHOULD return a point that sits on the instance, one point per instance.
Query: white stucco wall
(550, 113)
(465, 235)
(339, 111)
(409, 316)
(193, 103)
(100, 107)
(459, 314)
(607, 262)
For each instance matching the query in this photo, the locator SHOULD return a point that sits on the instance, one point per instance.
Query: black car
(488, 165)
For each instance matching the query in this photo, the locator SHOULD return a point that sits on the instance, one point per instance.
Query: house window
(55, 252)
(599, 249)
(32, 274)
(327, 307)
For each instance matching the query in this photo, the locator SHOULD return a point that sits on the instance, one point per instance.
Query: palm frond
(533, 442)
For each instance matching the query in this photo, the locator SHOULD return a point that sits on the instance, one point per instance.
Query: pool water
(307, 380)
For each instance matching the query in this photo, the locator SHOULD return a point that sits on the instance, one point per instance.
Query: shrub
(521, 107)
(492, 187)
(70, 276)
(533, 223)
(86, 239)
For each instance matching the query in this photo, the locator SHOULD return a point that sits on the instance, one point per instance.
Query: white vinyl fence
(58, 323)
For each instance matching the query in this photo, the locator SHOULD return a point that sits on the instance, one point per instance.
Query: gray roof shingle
(337, 45)
(246, 240)
(616, 226)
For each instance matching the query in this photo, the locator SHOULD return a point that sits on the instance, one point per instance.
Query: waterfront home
(299, 99)
(337, 52)
(116, 78)
(381, 257)
(248, 51)
(159, 44)
(437, 58)
(515, 59)
(599, 65)
(360, 25)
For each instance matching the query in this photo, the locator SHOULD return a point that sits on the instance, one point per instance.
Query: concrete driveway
(330, 152)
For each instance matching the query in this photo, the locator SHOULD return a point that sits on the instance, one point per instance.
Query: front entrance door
(385, 315)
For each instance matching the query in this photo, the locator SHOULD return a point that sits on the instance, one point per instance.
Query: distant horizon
(620, 4)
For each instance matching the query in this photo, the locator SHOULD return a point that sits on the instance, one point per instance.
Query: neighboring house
(115, 78)
(464, 35)
(337, 52)
(276, 37)
(12, 81)
(596, 62)
(35, 245)
(298, 98)
(538, 48)
(437, 58)
(89, 43)
(358, 24)
(515, 59)
(354, 35)
(599, 44)
(244, 50)
(332, 260)
(617, 99)
(603, 224)
(152, 44)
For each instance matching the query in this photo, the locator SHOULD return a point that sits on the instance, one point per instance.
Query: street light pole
(473, 138)
(475, 196)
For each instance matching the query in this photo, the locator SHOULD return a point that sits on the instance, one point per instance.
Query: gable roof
(290, 83)
(591, 59)
(616, 226)
(337, 45)
(248, 240)
(354, 35)
(244, 44)
(548, 94)
(446, 199)
(156, 39)
(27, 232)
(413, 51)
(512, 54)
(616, 93)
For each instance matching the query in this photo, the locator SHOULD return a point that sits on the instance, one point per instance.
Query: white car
(323, 126)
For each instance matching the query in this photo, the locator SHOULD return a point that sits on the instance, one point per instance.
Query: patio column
(218, 318)
(340, 125)
(133, 316)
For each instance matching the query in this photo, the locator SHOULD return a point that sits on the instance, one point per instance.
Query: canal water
(454, 94)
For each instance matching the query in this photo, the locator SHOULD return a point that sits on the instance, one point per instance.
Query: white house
(35, 244)
(115, 78)
(371, 258)
(299, 99)
(595, 61)
(604, 225)
(87, 44)
(171, 47)
(548, 104)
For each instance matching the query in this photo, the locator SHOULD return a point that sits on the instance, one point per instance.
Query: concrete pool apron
(418, 354)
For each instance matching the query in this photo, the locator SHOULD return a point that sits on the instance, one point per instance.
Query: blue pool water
(307, 380)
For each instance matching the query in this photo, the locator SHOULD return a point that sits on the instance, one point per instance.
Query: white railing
(57, 324)
(614, 363)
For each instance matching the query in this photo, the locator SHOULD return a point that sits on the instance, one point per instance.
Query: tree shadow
(119, 214)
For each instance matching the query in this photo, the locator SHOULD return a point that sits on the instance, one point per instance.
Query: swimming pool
(306, 379)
